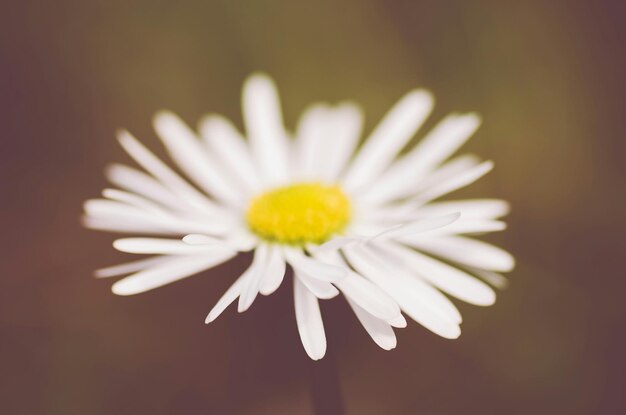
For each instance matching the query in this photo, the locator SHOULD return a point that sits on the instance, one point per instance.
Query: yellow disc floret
(300, 213)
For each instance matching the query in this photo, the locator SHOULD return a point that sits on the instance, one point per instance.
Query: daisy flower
(358, 222)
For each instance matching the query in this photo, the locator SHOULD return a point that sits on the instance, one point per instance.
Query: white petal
(337, 243)
(197, 239)
(142, 184)
(493, 278)
(314, 126)
(363, 292)
(264, 125)
(229, 296)
(379, 330)
(417, 227)
(166, 273)
(237, 240)
(383, 193)
(347, 121)
(467, 251)
(391, 135)
(309, 320)
(442, 141)
(164, 174)
(402, 212)
(321, 129)
(132, 199)
(256, 273)
(399, 322)
(433, 297)
(312, 267)
(454, 183)
(116, 211)
(241, 240)
(448, 279)
(275, 271)
(439, 144)
(223, 139)
(448, 171)
(107, 210)
(124, 226)
(462, 226)
(415, 298)
(191, 157)
(321, 289)
(129, 267)
(475, 208)
(369, 297)
(163, 246)
(103, 207)
(362, 229)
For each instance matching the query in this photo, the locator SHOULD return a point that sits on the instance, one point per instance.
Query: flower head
(362, 223)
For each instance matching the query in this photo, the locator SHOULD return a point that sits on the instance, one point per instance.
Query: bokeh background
(547, 76)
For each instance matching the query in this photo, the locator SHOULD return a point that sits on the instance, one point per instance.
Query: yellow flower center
(300, 213)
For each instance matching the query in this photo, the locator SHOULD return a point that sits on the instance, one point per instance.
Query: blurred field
(547, 78)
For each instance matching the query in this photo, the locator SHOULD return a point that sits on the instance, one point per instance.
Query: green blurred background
(547, 76)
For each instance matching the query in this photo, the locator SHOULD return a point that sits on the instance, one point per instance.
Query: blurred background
(547, 78)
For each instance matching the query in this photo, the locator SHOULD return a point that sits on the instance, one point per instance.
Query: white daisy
(357, 222)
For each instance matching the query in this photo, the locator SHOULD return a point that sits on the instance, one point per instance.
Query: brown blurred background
(547, 78)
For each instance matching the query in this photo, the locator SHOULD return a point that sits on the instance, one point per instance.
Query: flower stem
(325, 388)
